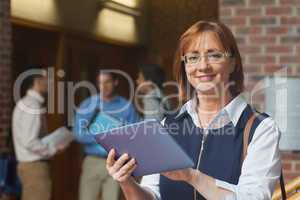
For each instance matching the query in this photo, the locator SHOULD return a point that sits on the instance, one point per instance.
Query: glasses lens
(215, 57)
(211, 57)
(192, 58)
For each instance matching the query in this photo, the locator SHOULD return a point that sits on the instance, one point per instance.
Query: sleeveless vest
(221, 153)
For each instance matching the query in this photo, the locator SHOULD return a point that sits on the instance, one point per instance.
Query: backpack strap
(282, 187)
(245, 147)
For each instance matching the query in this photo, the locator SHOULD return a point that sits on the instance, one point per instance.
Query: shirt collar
(35, 95)
(233, 109)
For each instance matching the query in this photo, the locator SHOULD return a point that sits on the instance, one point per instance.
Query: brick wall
(5, 72)
(268, 35)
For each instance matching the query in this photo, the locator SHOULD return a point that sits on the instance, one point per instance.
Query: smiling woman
(213, 126)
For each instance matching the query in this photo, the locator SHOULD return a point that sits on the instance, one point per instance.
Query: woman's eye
(215, 55)
(193, 58)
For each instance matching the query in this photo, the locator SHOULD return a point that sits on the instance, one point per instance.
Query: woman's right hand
(121, 169)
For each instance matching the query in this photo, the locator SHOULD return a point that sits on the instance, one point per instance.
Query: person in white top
(209, 72)
(150, 82)
(28, 126)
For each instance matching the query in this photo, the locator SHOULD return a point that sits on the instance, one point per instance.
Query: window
(129, 7)
(122, 20)
(129, 3)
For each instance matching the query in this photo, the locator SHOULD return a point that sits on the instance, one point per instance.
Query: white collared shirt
(27, 127)
(261, 167)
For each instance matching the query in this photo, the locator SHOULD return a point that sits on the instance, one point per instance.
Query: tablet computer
(149, 143)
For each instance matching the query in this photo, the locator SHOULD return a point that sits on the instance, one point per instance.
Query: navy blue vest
(221, 156)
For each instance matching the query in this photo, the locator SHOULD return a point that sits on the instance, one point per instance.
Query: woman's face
(206, 75)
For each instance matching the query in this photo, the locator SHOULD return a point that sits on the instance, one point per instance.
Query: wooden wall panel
(168, 19)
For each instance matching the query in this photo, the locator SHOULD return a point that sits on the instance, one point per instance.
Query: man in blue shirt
(94, 176)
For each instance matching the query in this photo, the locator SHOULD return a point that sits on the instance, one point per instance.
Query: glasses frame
(224, 55)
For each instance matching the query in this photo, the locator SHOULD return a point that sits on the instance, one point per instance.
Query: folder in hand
(61, 137)
(149, 143)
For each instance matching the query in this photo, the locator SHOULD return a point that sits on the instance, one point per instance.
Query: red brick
(288, 156)
(279, 49)
(287, 166)
(290, 39)
(2, 144)
(297, 72)
(226, 12)
(289, 59)
(234, 21)
(297, 167)
(277, 30)
(298, 49)
(262, 39)
(290, 2)
(248, 30)
(262, 59)
(246, 11)
(240, 40)
(288, 176)
(271, 68)
(255, 69)
(250, 49)
(261, 2)
(232, 2)
(290, 20)
(5, 71)
(262, 20)
(278, 10)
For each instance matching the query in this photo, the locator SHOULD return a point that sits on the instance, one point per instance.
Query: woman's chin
(211, 92)
(206, 88)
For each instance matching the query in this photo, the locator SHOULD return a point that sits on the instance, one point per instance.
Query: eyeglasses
(211, 57)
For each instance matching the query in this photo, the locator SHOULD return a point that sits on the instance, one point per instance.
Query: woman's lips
(206, 78)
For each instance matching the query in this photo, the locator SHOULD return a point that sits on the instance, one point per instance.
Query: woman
(208, 62)
(150, 86)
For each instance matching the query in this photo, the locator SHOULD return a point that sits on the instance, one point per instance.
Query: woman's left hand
(180, 175)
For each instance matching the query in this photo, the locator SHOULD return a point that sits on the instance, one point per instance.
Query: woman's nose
(202, 64)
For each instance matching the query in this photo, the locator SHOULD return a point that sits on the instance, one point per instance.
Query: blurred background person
(150, 88)
(29, 125)
(94, 176)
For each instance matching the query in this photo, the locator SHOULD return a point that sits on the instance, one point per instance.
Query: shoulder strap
(246, 135)
(245, 147)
